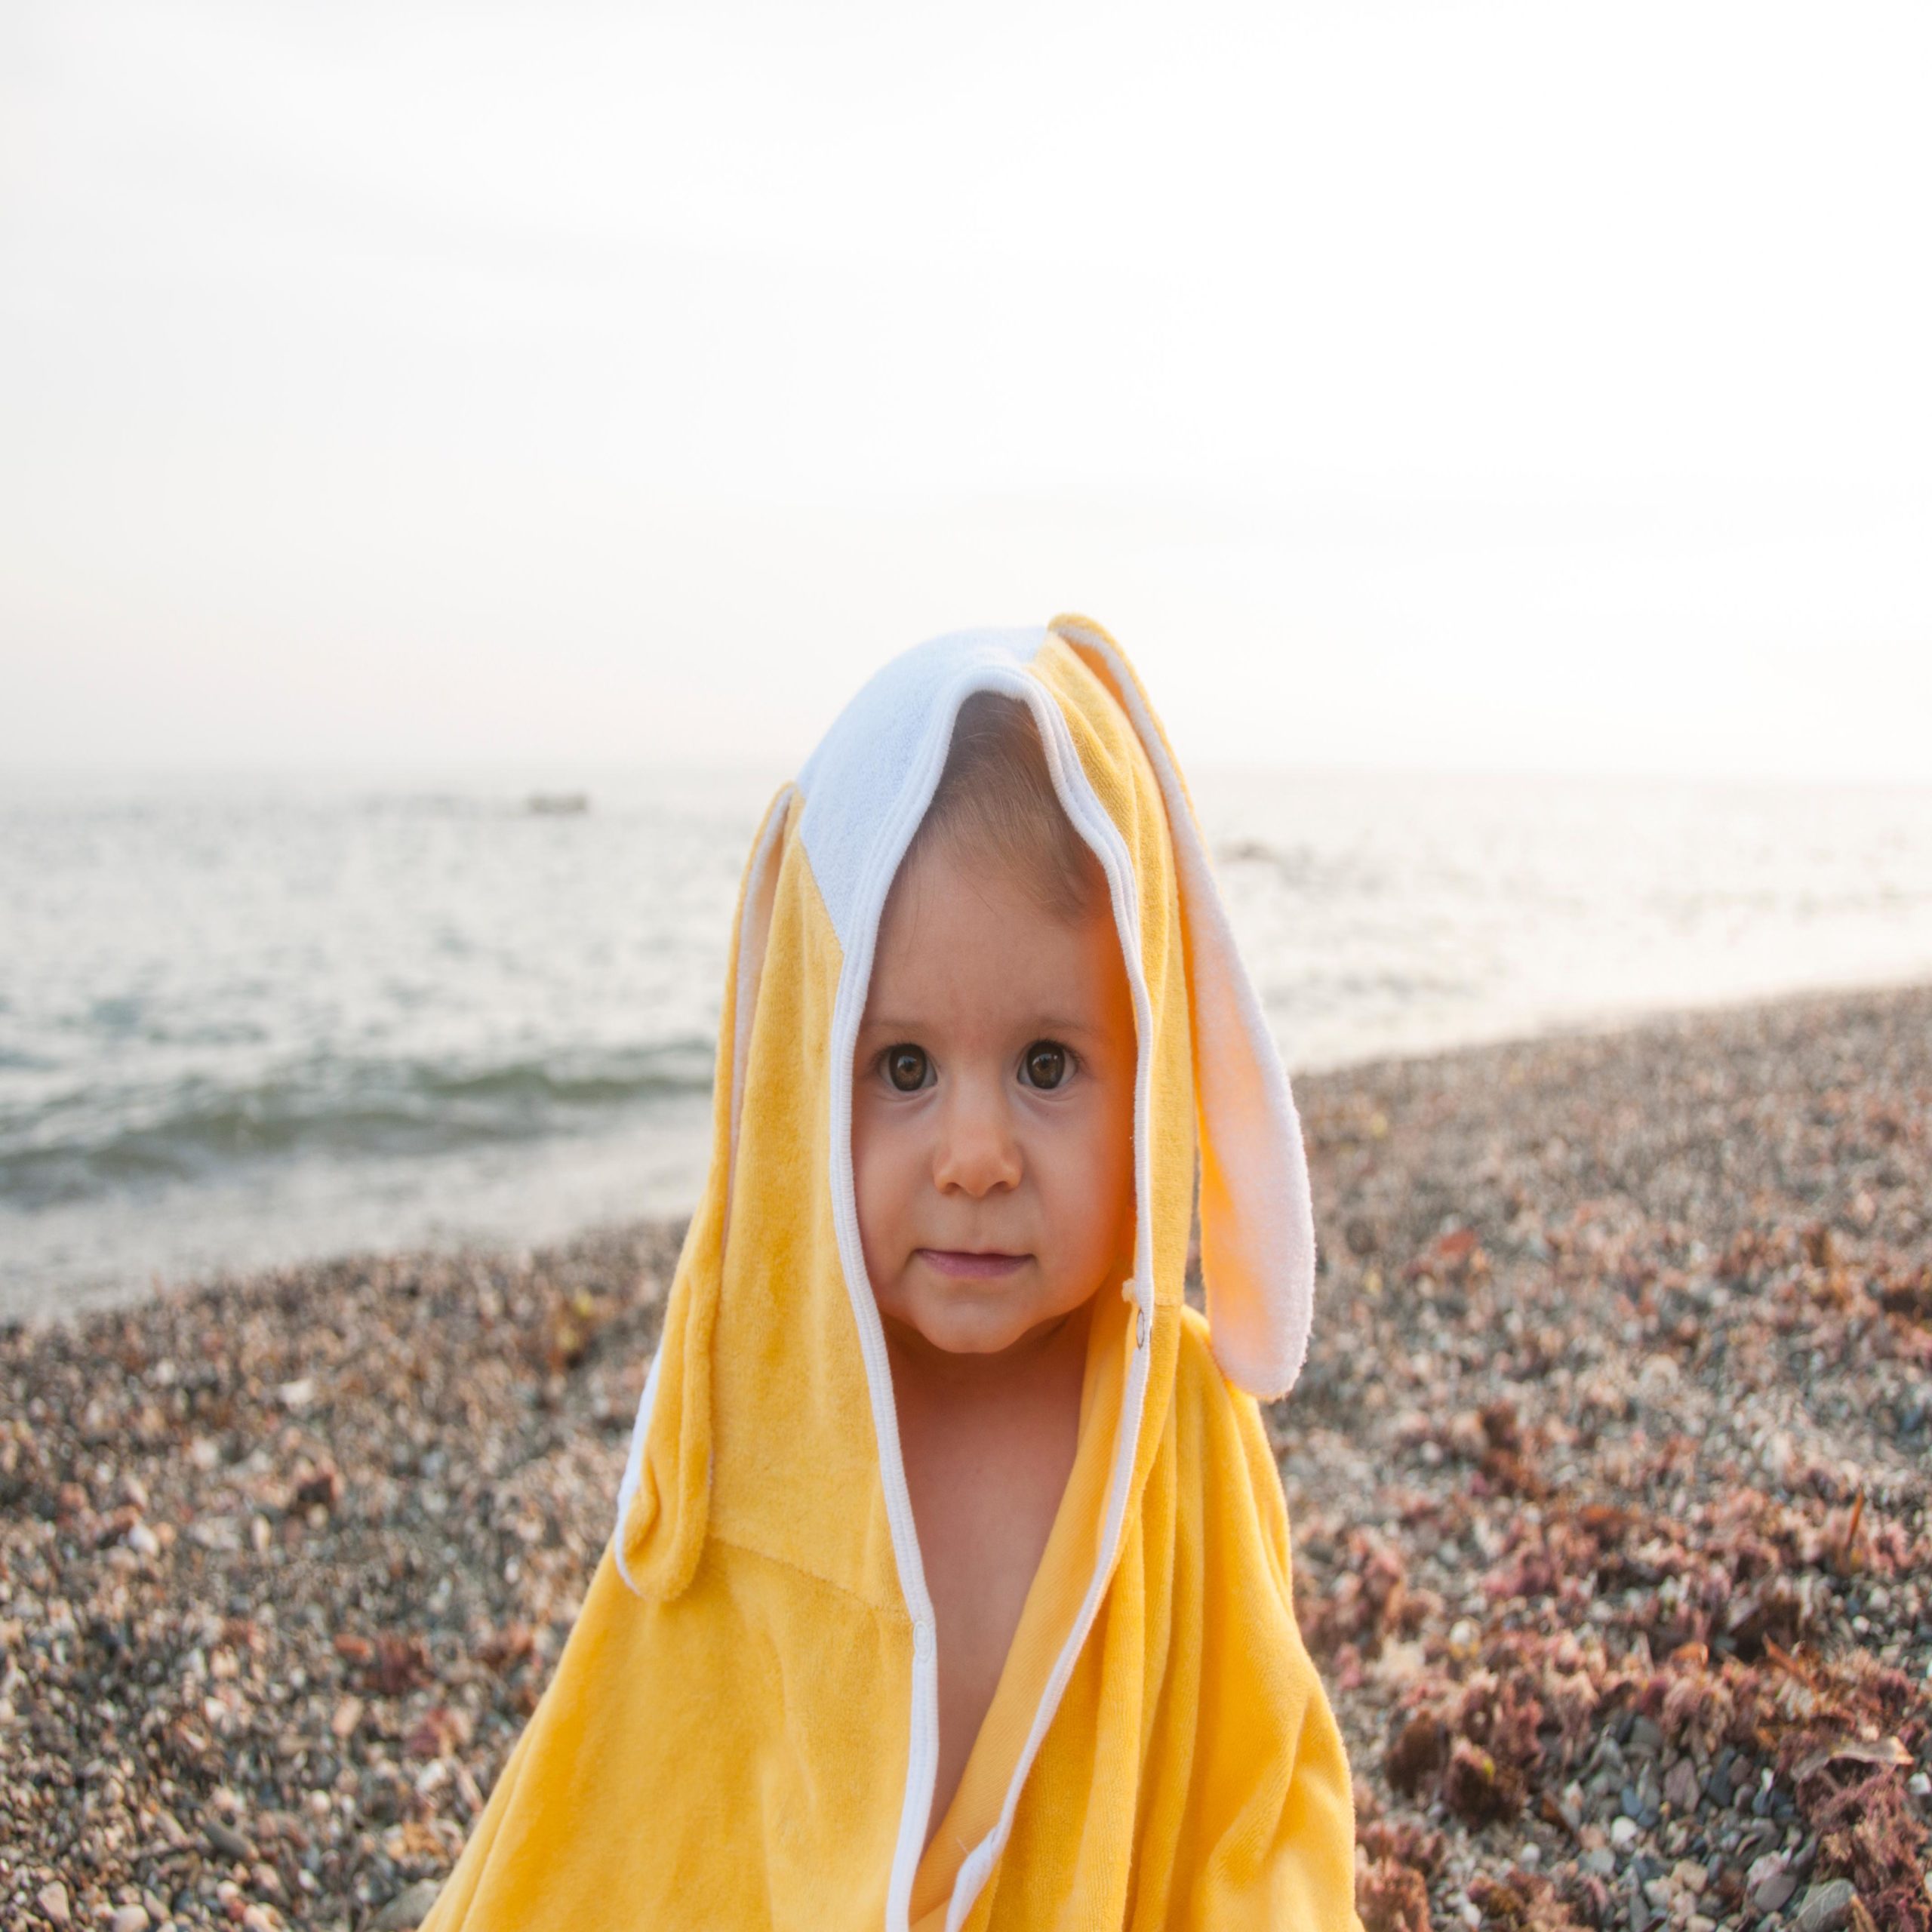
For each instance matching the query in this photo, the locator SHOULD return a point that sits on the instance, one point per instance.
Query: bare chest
(985, 1486)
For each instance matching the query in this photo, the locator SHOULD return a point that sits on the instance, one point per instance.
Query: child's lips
(970, 1265)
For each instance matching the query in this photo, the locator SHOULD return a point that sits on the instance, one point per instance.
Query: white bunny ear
(1258, 1218)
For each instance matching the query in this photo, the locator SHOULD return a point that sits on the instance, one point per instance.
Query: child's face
(992, 1107)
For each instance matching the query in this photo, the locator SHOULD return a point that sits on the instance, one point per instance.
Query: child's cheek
(882, 1165)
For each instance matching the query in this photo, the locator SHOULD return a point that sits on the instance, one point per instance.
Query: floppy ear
(1257, 1220)
(664, 1505)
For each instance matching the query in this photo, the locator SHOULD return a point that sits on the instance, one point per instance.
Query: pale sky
(1476, 385)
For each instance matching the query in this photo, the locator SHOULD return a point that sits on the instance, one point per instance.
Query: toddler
(949, 1586)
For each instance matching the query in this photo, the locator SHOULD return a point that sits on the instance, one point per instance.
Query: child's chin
(965, 1328)
(919, 1321)
(969, 1339)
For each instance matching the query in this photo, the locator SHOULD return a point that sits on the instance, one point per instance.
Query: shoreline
(1607, 1477)
(96, 1294)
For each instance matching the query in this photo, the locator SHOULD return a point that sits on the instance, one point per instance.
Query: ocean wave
(91, 1141)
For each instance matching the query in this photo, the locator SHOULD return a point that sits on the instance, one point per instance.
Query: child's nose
(977, 1151)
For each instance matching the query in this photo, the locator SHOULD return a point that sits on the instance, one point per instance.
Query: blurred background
(455, 462)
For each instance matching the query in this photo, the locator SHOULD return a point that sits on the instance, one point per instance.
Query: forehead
(958, 932)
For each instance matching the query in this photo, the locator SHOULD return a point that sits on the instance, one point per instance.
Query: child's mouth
(968, 1265)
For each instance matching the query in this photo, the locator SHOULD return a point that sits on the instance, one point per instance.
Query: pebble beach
(1610, 1473)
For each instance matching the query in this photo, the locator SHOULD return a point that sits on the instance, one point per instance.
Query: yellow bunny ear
(1258, 1218)
(663, 1505)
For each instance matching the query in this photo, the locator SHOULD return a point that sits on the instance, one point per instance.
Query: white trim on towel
(634, 1466)
(1014, 678)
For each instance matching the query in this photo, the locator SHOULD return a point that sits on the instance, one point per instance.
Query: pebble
(227, 1840)
(1827, 1907)
(407, 1909)
(1687, 1875)
(1624, 1832)
(52, 1900)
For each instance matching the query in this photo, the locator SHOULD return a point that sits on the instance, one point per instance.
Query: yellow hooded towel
(742, 1729)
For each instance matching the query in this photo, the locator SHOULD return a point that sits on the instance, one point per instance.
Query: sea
(246, 1022)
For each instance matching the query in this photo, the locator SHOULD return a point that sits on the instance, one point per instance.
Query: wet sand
(1608, 1473)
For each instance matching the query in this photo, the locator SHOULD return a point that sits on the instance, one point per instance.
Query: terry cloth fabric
(742, 1729)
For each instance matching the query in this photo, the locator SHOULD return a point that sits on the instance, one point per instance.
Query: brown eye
(1046, 1064)
(905, 1068)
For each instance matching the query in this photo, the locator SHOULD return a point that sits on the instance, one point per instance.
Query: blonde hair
(995, 802)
